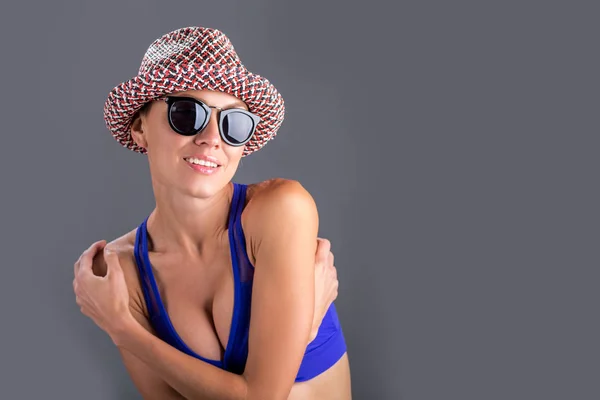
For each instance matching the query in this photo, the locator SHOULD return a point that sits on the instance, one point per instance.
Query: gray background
(452, 148)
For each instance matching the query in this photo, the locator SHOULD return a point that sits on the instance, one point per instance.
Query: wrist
(122, 331)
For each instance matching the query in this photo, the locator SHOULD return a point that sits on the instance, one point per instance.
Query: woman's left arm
(282, 224)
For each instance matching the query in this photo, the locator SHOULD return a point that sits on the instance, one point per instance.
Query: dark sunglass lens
(237, 127)
(187, 117)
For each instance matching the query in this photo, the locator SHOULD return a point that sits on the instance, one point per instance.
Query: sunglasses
(188, 116)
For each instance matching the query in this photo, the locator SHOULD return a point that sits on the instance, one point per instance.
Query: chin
(205, 187)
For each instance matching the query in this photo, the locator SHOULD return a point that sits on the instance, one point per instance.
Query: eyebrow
(235, 104)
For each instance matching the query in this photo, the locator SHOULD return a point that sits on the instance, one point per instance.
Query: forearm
(193, 378)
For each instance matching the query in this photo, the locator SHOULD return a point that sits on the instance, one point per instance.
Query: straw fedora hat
(193, 58)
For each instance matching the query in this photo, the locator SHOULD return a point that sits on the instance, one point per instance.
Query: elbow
(267, 396)
(265, 392)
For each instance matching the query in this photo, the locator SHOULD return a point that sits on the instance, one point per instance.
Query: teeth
(202, 162)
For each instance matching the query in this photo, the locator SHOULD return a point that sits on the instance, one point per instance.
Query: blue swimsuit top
(327, 348)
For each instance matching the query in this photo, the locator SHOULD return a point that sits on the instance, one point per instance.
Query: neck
(188, 224)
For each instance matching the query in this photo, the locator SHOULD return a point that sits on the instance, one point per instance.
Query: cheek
(159, 133)
(164, 141)
(163, 150)
(234, 155)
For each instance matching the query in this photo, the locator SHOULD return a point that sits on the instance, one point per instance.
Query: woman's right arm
(148, 383)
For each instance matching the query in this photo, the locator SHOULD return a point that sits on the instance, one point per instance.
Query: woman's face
(173, 157)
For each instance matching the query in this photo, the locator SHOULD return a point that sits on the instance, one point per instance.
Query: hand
(326, 284)
(104, 299)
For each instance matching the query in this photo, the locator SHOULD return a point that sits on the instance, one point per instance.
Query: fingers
(86, 258)
(324, 253)
(95, 247)
(323, 248)
(76, 265)
(76, 290)
(112, 262)
(326, 258)
(336, 283)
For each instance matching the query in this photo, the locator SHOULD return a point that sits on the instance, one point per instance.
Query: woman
(213, 295)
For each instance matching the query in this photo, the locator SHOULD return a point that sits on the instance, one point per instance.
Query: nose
(210, 134)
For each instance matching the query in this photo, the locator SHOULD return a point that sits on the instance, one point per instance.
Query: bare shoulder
(270, 192)
(149, 384)
(123, 246)
(275, 198)
(273, 203)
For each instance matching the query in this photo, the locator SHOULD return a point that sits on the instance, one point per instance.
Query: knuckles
(324, 245)
(324, 242)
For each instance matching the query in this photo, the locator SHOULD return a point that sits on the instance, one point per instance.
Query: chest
(198, 295)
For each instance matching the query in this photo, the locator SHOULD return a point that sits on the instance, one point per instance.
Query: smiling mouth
(204, 163)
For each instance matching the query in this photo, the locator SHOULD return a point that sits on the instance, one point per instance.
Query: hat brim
(261, 97)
